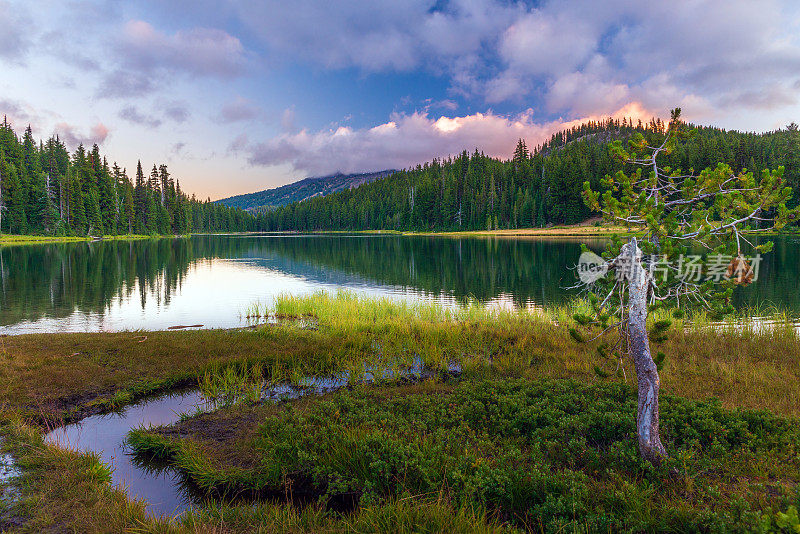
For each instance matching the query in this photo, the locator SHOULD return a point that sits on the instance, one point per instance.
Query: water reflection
(164, 490)
(210, 280)
(106, 434)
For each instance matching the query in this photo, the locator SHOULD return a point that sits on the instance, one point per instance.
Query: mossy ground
(50, 378)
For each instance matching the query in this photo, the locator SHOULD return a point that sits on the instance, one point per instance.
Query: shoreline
(14, 239)
(565, 231)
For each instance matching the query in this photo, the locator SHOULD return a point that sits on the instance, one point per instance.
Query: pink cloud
(72, 137)
(407, 140)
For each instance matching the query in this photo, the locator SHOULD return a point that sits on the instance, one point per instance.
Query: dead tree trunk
(647, 416)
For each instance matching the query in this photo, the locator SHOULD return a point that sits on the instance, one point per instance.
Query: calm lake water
(211, 280)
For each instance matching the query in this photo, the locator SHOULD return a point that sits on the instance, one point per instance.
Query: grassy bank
(517, 367)
(65, 491)
(591, 228)
(582, 230)
(7, 239)
(551, 455)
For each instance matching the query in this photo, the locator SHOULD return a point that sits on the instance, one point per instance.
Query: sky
(238, 96)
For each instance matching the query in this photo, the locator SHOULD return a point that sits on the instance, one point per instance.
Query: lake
(212, 279)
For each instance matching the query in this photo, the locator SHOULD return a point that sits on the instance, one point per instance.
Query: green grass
(54, 377)
(14, 239)
(229, 384)
(65, 491)
(555, 455)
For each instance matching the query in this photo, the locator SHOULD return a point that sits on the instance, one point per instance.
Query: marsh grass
(7, 239)
(554, 455)
(61, 377)
(232, 383)
(419, 516)
(748, 362)
(63, 490)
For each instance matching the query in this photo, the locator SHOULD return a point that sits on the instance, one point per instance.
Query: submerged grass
(232, 383)
(64, 376)
(742, 362)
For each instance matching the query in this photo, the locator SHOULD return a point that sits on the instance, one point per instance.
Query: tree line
(536, 187)
(46, 190)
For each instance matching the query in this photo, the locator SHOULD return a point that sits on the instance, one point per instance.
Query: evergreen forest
(46, 190)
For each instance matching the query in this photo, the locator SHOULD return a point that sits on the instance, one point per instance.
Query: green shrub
(556, 453)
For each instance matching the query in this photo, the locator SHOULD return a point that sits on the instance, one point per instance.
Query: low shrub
(553, 454)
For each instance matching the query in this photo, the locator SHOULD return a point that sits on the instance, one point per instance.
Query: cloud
(288, 124)
(176, 111)
(146, 57)
(17, 113)
(16, 30)
(72, 137)
(404, 141)
(178, 148)
(389, 35)
(63, 44)
(239, 109)
(586, 56)
(567, 57)
(239, 144)
(125, 84)
(546, 43)
(199, 51)
(132, 114)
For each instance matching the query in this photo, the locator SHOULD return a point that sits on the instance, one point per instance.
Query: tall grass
(748, 361)
(230, 384)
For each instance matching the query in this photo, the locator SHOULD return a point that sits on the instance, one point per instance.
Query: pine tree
(14, 199)
(93, 217)
(140, 196)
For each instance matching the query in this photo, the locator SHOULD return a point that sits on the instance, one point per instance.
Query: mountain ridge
(301, 190)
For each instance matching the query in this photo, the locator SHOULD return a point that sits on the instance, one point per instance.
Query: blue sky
(239, 96)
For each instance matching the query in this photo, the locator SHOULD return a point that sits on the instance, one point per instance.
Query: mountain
(302, 190)
(534, 188)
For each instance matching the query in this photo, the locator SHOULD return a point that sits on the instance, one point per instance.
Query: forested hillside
(45, 189)
(534, 188)
(301, 190)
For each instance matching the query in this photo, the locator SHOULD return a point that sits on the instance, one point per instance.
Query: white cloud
(544, 44)
(591, 57)
(177, 111)
(132, 114)
(571, 56)
(403, 141)
(147, 57)
(288, 124)
(18, 114)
